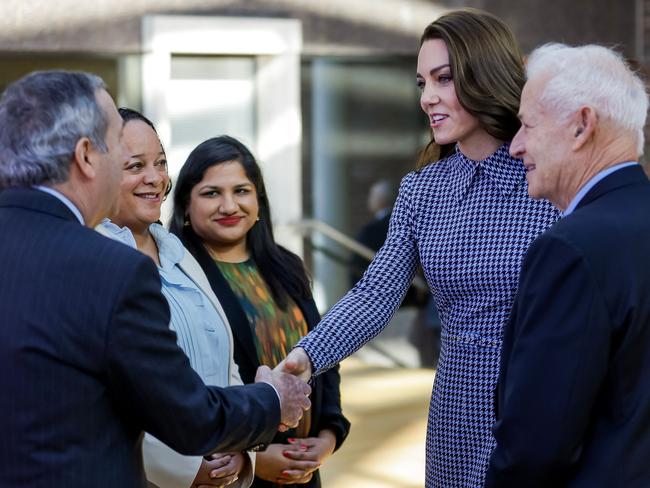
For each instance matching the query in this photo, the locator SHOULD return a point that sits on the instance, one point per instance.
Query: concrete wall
(330, 27)
(608, 22)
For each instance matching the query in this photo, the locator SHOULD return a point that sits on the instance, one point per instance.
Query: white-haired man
(573, 399)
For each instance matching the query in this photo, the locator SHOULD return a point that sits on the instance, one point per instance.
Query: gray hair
(595, 76)
(42, 116)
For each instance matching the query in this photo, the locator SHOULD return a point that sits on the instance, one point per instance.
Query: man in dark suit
(373, 234)
(573, 399)
(87, 359)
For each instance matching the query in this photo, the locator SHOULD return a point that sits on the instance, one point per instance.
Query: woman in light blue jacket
(197, 317)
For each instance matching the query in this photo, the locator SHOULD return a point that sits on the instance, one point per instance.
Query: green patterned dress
(275, 331)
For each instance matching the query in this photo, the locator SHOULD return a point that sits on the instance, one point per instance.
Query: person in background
(197, 317)
(222, 215)
(373, 234)
(425, 333)
(467, 220)
(418, 309)
(573, 399)
(87, 359)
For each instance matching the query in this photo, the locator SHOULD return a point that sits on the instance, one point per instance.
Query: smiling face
(544, 143)
(449, 121)
(144, 177)
(223, 208)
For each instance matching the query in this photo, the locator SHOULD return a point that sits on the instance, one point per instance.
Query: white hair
(595, 76)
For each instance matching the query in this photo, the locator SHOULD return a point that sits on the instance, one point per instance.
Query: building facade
(323, 92)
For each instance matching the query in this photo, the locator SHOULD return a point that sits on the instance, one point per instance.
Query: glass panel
(209, 96)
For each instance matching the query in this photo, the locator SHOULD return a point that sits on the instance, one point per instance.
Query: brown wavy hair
(488, 72)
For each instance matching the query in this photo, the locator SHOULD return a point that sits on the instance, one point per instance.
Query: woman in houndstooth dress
(468, 220)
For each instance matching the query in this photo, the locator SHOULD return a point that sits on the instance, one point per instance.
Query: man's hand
(293, 395)
(296, 363)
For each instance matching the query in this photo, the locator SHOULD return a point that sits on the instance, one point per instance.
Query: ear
(584, 126)
(83, 157)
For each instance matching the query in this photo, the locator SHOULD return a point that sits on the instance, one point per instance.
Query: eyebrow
(216, 187)
(437, 68)
(161, 153)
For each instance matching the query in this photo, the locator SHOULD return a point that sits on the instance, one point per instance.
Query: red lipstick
(229, 221)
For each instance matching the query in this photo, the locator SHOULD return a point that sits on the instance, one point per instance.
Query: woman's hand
(315, 449)
(296, 363)
(222, 469)
(277, 464)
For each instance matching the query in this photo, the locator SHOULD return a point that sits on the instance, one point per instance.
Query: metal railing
(311, 226)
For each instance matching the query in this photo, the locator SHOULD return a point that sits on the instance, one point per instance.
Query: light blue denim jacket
(202, 332)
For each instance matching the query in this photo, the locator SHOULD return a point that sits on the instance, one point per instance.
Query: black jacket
(326, 399)
(372, 234)
(573, 402)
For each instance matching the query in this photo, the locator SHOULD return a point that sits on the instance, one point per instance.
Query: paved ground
(388, 410)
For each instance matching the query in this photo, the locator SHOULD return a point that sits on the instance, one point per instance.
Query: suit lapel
(193, 270)
(245, 352)
(630, 175)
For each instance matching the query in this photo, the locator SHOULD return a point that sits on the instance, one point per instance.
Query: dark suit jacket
(326, 399)
(573, 401)
(87, 359)
(373, 234)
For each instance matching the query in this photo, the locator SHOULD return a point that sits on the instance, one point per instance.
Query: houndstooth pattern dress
(469, 224)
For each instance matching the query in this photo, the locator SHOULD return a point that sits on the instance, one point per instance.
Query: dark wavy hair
(128, 114)
(487, 68)
(282, 270)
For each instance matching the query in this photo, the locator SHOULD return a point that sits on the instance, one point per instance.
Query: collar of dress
(504, 171)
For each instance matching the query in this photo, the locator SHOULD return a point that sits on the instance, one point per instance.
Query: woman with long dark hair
(467, 220)
(222, 215)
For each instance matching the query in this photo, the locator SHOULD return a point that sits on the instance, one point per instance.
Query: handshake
(290, 380)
